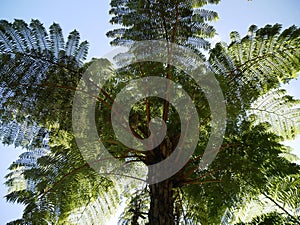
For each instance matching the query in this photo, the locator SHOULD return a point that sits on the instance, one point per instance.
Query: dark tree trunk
(162, 203)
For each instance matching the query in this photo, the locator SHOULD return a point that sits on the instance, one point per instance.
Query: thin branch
(283, 209)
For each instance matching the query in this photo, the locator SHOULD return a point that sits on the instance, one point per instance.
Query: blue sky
(91, 19)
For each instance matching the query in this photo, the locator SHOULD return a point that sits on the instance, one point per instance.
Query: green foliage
(285, 191)
(65, 188)
(41, 71)
(269, 218)
(29, 59)
(137, 207)
(250, 67)
(18, 37)
(251, 71)
(173, 21)
(279, 110)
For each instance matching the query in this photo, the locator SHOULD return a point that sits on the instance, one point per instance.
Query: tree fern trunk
(162, 204)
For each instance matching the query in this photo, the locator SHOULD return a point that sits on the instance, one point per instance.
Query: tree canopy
(40, 72)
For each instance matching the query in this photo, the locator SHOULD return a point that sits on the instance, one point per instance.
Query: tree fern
(67, 190)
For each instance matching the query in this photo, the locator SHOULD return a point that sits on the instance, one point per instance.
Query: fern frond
(200, 3)
(26, 34)
(56, 39)
(22, 196)
(6, 45)
(254, 65)
(72, 43)
(24, 70)
(281, 190)
(198, 43)
(13, 36)
(203, 30)
(82, 51)
(99, 210)
(265, 46)
(40, 35)
(279, 110)
(206, 15)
